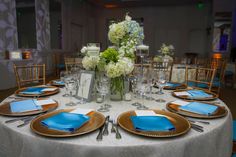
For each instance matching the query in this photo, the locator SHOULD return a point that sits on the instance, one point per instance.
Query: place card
(44, 102)
(180, 102)
(81, 111)
(182, 93)
(146, 113)
(48, 89)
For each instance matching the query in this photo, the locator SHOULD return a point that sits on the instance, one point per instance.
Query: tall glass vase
(117, 88)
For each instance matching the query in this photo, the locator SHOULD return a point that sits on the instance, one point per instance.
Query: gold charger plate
(95, 122)
(220, 112)
(47, 93)
(214, 96)
(182, 125)
(181, 86)
(53, 83)
(6, 110)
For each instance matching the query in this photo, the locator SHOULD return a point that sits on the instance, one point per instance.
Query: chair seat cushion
(203, 85)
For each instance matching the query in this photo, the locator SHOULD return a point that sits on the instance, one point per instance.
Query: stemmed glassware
(161, 83)
(103, 87)
(71, 84)
(63, 76)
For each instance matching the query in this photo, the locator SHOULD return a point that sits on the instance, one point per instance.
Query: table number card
(86, 84)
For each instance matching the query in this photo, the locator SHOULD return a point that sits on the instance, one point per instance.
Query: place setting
(194, 94)
(67, 122)
(195, 109)
(153, 123)
(37, 91)
(25, 110)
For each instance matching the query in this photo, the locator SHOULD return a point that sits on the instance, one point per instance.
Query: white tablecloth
(215, 141)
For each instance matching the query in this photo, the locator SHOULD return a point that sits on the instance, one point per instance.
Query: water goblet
(103, 87)
(161, 83)
(63, 77)
(71, 83)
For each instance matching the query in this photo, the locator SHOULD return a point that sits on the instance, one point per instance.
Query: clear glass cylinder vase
(117, 88)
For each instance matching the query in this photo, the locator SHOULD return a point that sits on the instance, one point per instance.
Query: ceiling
(138, 3)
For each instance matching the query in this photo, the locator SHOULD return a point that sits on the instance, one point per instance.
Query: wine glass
(152, 79)
(161, 81)
(103, 87)
(63, 76)
(71, 84)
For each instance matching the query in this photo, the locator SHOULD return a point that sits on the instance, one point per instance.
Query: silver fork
(113, 129)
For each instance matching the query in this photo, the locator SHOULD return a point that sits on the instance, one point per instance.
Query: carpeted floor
(228, 95)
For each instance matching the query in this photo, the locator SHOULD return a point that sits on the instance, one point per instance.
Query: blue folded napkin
(151, 123)
(59, 82)
(171, 84)
(200, 108)
(33, 90)
(199, 94)
(24, 106)
(65, 121)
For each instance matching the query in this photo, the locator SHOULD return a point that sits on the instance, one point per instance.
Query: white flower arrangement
(167, 49)
(119, 60)
(126, 35)
(124, 66)
(166, 53)
(90, 62)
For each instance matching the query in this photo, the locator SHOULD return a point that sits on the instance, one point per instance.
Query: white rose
(127, 18)
(84, 49)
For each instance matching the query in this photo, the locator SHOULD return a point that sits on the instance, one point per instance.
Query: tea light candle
(93, 48)
(99, 100)
(127, 97)
(142, 47)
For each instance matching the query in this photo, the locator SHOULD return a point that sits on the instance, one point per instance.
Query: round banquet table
(215, 141)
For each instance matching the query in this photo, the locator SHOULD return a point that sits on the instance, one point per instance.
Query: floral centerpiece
(166, 53)
(117, 61)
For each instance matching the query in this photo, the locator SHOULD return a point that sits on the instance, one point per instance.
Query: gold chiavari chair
(29, 74)
(167, 67)
(201, 78)
(138, 68)
(72, 63)
(220, 66)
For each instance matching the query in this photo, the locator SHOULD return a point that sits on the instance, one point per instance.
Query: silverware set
(103, 131)
(193, 124)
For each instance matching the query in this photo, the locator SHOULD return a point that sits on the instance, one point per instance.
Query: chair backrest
(220, 66)
(199, 77)
(167, 67)
(29, 74)
(138, 68)
(72, 63)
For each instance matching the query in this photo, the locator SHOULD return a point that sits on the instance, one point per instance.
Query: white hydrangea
(113, 70)
(116, 32)
(90, 62)
(167, 50)
(126, 64)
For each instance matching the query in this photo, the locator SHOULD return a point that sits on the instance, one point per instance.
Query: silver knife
(99, 137)
(105, 131)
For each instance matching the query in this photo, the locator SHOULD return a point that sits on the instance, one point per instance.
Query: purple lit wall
(8, 29)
